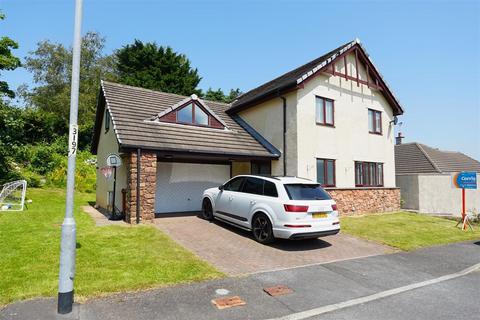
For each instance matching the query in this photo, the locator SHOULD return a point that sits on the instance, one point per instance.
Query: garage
(180, 185)
(172, 149)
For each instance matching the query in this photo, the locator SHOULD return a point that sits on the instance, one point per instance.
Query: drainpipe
(138, 185)
(284, 136)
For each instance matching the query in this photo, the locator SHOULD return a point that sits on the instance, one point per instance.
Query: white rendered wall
(349, 140)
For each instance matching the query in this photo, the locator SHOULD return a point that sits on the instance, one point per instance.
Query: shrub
(85, 177)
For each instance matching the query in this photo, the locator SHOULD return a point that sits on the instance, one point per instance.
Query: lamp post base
(65, 302)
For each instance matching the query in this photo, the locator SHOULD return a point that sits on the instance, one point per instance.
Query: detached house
(330, 120)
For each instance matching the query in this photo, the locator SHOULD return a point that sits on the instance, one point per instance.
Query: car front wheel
(262, 229)
(207, 211)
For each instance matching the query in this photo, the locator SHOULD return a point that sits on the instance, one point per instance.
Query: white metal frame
(7, 190)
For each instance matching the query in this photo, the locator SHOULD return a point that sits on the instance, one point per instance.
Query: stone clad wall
(366, 200)
(148, 177)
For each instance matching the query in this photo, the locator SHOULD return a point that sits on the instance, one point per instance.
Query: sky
(427, 51)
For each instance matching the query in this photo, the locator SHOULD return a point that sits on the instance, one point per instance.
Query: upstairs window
(326, 172)
(185, 114)
(324, 111)
(374, 121)
(192, 112)
(368, 174)
(107, 120)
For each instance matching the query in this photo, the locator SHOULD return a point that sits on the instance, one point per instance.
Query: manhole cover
(223, 303)
(278, 290)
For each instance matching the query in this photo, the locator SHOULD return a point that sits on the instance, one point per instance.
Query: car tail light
(334, 207)
(295, 208)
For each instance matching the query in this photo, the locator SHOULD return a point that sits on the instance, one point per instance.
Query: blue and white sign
(465, 180)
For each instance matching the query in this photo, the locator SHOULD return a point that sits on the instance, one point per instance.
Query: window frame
(366, 174)
(260, 163)
(374, 113)
(325, 172)
(253, 179)
(274, 187)
(107, 121)
(324, 111)
(243, 179)
(193, 123)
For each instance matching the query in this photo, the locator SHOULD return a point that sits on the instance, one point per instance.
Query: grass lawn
(407, 231)
(109, 259)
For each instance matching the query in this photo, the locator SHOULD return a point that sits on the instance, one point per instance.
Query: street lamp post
(68, 241)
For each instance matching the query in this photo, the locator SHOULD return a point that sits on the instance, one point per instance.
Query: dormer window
(192, 111)
(192, 114)
(185, 114)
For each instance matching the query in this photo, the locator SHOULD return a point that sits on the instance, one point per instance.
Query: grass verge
(407, 231)
(109, 259)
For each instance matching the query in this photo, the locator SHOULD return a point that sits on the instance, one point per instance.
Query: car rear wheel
(207, 211)
(262, 229)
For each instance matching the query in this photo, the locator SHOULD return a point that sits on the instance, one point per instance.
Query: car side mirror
(220, 187)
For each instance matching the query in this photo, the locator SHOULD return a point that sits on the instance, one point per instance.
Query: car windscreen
(306, 192)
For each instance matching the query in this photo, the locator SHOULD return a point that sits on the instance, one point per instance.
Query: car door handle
(230, 198)
(253, 202)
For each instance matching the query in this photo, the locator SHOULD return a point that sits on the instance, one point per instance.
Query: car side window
(269, 189)
(253, 186)
(234, 185)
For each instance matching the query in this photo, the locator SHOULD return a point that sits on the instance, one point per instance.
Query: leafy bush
(85, 177)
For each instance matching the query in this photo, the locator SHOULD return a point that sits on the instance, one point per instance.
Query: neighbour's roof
(133, 110)
(292, 79)
(411, 158)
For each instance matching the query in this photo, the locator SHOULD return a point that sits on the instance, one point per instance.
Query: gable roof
(132, 109)
(192, 98)
(292, 79)
(411, 158)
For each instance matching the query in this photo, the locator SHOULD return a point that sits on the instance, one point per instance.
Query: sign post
(465, 180)
(114, 161)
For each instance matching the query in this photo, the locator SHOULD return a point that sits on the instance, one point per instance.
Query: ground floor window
(326, 172)
(261, 168)
(368, 174)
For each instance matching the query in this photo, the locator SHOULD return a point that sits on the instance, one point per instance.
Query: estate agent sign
(465, 180)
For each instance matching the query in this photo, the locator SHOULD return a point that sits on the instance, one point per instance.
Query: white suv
(273, 207)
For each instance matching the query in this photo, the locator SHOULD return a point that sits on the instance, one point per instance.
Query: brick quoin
(148, 178)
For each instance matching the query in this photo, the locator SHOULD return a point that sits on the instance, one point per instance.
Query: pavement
(216, 241)
(101, 219)
(431, 283)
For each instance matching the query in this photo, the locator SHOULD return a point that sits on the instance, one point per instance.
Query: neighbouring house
(425, 177)
(330, 120)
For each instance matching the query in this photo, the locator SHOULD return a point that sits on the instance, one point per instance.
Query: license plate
(319, 215)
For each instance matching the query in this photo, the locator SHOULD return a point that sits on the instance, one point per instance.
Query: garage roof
(132, 110)
(412, 158)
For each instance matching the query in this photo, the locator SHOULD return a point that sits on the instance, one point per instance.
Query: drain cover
(278, 290)
(223, 303)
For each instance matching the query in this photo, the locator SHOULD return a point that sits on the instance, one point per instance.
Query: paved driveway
(234, 251)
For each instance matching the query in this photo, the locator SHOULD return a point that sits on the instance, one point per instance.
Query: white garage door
(180, 185)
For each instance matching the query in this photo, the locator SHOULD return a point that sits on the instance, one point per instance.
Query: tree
(7, 61)
(51, 65)
(156, 67)
(218, 95)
